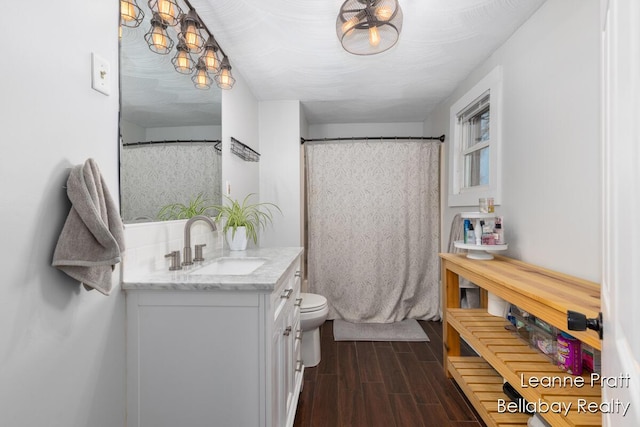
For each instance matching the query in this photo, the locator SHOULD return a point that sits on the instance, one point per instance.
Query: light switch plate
(100, 74)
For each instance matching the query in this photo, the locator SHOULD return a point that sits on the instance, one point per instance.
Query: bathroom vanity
(217, 344)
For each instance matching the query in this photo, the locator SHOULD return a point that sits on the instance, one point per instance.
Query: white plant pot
(237, 241)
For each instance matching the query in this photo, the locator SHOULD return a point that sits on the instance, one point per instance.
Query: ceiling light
(190, 32)
(157, 37)
(210, 55)
(130, 13)
(201, 78)
(182, 62)
(168, 11)
(224, 79)
(367, 27)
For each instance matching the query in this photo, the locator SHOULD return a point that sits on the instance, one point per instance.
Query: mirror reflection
(169, 132)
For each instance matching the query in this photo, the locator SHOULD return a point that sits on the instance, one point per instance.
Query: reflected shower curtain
(373, 229)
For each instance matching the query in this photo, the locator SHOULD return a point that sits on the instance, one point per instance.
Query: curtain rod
(171, 141)
(355, 138)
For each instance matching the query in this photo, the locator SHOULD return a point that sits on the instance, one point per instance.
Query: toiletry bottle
(478, 232)
(470, 237)
(499, 234)
(467, 223)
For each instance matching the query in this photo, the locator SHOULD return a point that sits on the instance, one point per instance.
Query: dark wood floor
(387, 384)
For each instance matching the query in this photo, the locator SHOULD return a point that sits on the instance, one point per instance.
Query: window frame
(459, 195)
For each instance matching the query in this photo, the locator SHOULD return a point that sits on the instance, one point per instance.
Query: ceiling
(288, 50)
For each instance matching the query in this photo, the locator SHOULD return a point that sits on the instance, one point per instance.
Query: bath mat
(406, 330)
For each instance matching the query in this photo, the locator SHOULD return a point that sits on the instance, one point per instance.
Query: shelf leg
(450, 299)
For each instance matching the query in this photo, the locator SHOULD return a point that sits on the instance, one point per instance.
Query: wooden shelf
(483, 387)
(543, 293)
(515, 361)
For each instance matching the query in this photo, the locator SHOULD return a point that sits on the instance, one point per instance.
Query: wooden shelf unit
(503, 354)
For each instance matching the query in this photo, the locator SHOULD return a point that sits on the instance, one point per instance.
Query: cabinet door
(193, 356)
(277, 372)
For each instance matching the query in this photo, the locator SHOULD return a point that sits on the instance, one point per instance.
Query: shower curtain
(373, 229)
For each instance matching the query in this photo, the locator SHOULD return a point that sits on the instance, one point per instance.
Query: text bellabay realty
(581, 405)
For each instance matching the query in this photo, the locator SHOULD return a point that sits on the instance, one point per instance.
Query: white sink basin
(231, 266)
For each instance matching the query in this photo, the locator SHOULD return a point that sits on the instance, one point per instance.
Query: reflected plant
(195, 206)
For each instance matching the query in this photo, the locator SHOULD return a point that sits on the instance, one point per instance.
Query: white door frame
(621, 205)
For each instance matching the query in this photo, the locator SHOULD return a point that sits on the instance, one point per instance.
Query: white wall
(62, 354)
(551, 138)
(346, 130)
(280, 170)
(240, 121)
(183, 132)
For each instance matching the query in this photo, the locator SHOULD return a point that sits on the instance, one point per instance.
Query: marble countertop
(264, 278)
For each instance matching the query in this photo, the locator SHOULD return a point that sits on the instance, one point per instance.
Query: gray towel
(92, 238)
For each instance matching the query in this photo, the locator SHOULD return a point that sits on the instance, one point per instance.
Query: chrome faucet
(188, 260)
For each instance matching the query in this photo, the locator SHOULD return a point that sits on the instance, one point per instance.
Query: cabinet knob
(298, 302)
(287, 331)
(298, 273)
(287, 294)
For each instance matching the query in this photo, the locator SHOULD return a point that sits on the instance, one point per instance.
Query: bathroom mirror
(169, 131)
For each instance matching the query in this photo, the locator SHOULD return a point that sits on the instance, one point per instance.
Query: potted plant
(243, 220)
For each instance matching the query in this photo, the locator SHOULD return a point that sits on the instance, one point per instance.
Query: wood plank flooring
(386, 384)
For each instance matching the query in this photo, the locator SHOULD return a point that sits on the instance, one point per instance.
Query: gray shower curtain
(373, 228)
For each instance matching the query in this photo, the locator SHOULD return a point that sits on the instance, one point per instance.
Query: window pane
(476, 168)
(477, 128)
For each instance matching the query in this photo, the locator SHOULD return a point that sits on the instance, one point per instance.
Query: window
(475, 144)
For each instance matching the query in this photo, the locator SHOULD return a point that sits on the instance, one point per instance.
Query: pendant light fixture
(193, 37)
(210, 55)
(224, 79)
(182, 62)
(368, 27)
(190, 32)
(201, 78)
(167, 10)
(157, 37)
(130, 13)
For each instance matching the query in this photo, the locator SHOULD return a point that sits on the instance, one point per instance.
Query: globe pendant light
(368, 27)
(201, 78)
(190, 32)
(224, 79)
(157, 37)
(130, 13)
(182, 62)
(167, 10)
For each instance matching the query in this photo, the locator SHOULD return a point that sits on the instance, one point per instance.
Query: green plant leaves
(252, 216)
(196, 206)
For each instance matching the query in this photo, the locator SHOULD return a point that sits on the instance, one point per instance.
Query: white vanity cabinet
(287, 365)
(219, 355)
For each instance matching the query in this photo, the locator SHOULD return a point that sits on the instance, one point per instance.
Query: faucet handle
(175, 260)
(199, 256)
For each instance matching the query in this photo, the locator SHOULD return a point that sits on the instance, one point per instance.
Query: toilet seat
(312, 302)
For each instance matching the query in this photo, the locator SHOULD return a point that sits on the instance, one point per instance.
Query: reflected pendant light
(190, 32)
(224, 79)
(210, 55)
(130, 13)
(167, 10)
(157, 37)
(182, 61)
(367, 27)
(201, 78)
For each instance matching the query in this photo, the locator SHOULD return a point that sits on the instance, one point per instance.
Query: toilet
(313, 312)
